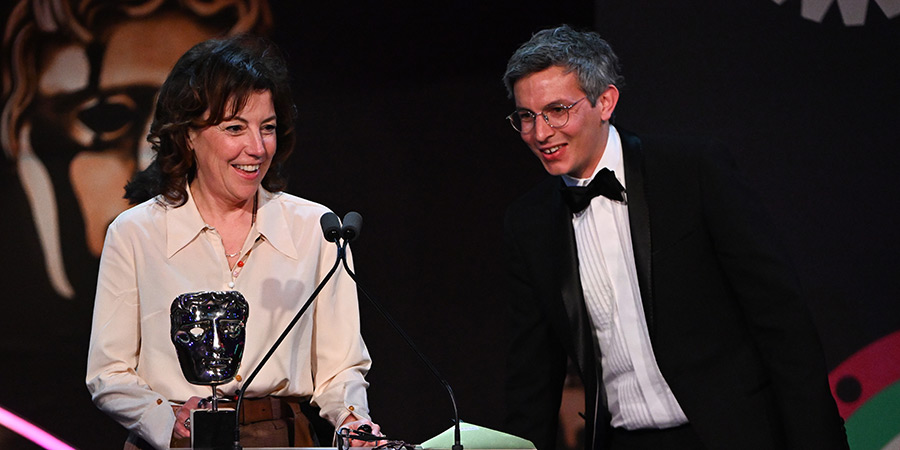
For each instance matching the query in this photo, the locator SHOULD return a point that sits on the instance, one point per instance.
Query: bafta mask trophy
(208, 330)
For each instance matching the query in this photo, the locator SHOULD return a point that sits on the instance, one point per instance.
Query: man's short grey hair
(583, 52)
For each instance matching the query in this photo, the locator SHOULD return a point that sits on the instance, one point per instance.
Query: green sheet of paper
(474, 437)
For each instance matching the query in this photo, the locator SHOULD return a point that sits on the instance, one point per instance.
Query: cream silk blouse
(154, 252)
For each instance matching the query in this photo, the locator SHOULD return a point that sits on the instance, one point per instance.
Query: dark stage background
(402, 119)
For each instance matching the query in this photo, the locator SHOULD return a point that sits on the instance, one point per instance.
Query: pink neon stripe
(31, 432)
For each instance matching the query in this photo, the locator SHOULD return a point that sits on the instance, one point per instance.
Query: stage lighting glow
(31, 432)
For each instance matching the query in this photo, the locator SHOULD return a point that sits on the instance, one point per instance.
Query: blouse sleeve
(111, 378)
(340, 359)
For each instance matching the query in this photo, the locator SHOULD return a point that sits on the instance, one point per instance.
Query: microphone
(352, 224)
(350, 232)
(331, 226)
(331, 230)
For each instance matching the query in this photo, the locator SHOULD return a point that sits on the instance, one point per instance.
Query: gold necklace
(252, 222)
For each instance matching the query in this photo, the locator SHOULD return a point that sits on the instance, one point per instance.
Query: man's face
(208, 331)
(575, 148)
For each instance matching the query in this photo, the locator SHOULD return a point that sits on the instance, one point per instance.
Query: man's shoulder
(539, 196)
(670, 144)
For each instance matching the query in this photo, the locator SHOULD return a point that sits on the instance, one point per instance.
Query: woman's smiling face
(233, 156)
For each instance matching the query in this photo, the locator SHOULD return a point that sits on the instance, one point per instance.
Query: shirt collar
(272, 223)
(184, 224)
(612, 159)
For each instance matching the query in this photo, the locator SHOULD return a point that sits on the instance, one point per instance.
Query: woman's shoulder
(141, 215)
(294, 205)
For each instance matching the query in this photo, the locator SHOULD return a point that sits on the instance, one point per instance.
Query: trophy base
(212, 430)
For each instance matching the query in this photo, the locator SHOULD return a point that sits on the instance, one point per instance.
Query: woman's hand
(183, 415)
(362, 425)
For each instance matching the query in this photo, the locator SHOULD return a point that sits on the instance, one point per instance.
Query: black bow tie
(605, 183)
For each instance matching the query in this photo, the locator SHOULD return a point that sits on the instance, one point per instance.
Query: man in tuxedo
(649, 264)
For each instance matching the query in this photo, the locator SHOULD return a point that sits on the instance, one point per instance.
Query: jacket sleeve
(769, 296)
(536, 360)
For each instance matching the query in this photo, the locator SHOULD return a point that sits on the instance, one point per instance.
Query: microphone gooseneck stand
(331, 229)
(334, 232)
(350, 232)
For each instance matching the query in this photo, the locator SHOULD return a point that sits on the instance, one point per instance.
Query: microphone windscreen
(352, 225)
(331, 226)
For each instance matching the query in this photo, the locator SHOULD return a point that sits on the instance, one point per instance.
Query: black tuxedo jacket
(729, 330)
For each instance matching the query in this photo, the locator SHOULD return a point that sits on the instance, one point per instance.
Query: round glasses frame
(556, 115)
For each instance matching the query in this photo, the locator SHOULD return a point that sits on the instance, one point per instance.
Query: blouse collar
(184, 224)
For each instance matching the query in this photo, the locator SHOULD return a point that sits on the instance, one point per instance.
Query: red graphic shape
(868, 371)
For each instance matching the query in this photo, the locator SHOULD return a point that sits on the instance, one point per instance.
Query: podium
(472, 437)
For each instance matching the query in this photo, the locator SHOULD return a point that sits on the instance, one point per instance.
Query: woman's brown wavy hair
(219, 76)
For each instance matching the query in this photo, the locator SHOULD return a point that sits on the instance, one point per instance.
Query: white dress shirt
(637, 395)
(154, 252)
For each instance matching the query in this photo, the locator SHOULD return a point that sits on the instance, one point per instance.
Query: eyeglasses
(345, 435)
(395, 445)
(556, 116)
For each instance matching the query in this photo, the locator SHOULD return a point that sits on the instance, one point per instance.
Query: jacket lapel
(639, 217)
(570, 284)
(585, 346)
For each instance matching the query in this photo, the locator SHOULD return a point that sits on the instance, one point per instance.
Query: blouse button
(159, 401)
(350, 407)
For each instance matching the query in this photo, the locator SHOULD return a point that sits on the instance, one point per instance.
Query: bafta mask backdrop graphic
(208, 330)
(79, 81)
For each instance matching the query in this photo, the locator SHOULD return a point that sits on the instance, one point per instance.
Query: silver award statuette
(209, 330)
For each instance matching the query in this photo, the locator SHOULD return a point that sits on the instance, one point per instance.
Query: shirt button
(159, 401)
(350, 407)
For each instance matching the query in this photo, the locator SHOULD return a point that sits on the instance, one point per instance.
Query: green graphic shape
(876, 422)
